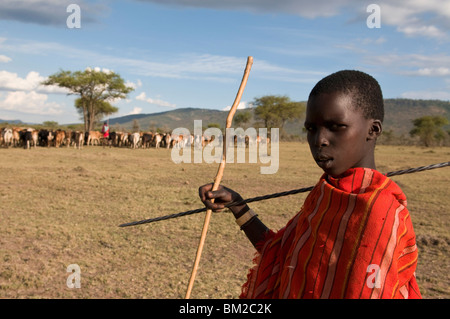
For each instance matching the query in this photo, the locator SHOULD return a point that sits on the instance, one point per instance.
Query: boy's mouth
(324, 162)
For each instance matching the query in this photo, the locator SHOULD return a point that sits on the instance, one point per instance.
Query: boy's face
(338, 134)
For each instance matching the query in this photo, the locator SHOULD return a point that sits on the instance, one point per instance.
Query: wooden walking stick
(219, 175)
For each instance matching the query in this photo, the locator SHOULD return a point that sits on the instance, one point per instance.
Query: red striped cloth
(353, 238)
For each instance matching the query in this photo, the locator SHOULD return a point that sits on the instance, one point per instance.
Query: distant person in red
(105, 132)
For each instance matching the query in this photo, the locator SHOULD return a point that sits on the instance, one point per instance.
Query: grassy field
(63, 206)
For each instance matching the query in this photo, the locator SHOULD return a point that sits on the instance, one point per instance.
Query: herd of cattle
(28, 137)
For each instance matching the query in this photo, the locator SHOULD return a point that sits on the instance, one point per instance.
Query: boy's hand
(222, 196)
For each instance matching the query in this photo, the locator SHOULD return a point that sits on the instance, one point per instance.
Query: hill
(15, 122)
(399, 114)
(168, 121)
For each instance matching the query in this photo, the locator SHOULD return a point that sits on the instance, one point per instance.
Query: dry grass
(63, 206)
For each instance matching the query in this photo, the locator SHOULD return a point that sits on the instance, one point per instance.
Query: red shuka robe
(353, 238)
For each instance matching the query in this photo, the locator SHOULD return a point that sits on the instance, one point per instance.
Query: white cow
(135, 137)
(7, 135)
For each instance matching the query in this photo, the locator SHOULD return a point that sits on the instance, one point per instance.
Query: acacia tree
(276, 110)
(429, 129)
(98, 110)
(242, 118)
(97, 89)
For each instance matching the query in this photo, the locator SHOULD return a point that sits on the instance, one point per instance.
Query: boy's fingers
(203, 190)
(218, 199)
(220, 193)
(214, 206)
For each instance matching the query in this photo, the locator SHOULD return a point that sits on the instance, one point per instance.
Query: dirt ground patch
(63, 206)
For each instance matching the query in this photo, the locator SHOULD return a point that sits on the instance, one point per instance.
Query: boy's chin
(334, 171)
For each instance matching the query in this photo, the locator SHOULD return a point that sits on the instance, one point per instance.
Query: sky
(192, 53)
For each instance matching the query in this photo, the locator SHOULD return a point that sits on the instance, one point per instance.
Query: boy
(353, 237)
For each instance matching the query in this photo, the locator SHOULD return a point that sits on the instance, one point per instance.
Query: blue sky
(192, 53)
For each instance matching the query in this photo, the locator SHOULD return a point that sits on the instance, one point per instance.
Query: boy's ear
(375, 130)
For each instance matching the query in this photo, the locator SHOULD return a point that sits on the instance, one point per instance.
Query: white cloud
(427, 18)
(5, 59)
(440, 71)
(11, 81)
(136, 110)
(32, 82)
(430, 31)
(242, 105)
(136, 85)
(98, 69)
(435, 65)
(143, 97)
(52, 89)
(29, 102)
(427, 95)
(27, 95)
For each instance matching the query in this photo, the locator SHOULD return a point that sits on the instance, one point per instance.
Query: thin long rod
(275, 195)
(219, 175)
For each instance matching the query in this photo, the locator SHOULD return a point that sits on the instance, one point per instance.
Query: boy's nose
(321, 138)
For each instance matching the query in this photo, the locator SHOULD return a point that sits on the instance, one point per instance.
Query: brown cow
(94, 138)
(124, 139)
(60, 136)
(16, 136)
(68, 140)
(34, 137)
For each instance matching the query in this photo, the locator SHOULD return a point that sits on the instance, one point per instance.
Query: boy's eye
(335, 126)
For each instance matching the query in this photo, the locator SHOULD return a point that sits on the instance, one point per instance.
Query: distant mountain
(168, 121)
(11, 121)
(399, 114)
